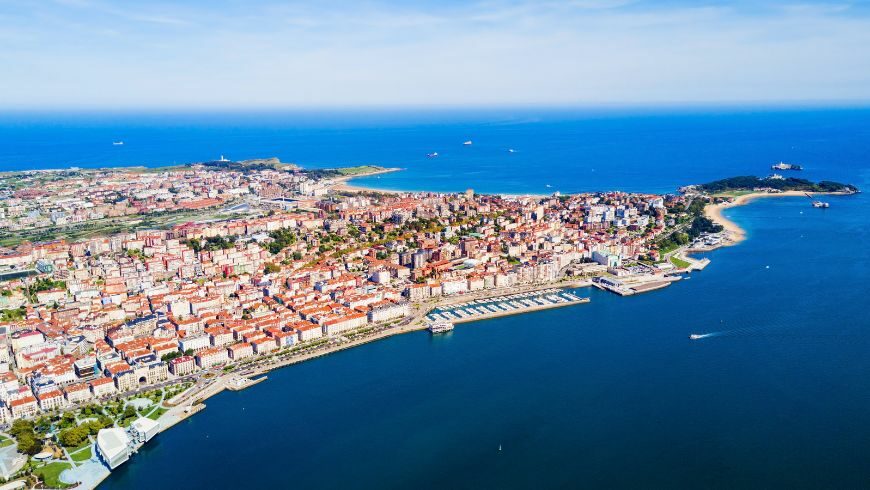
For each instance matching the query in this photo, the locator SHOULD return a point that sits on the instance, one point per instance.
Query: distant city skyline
(70, 54)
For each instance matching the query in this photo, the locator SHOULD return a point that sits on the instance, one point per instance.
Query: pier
(240, 384)
(499, 306)
(645, 285)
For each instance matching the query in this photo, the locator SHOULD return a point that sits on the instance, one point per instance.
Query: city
(302, 267)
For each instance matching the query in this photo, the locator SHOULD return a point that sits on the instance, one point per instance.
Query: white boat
(118, 143)
(696, 336)
(441, 327)
(467, 143)
(432, 155)
(820, 204)
(511, 150)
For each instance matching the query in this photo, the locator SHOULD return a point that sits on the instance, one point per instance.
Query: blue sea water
(610, 394)
(653, 150)
(607, 394)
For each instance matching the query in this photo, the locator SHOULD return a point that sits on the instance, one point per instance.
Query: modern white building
(145, 428)
(113, 446)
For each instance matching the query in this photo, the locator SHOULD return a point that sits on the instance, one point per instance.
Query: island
(129, 296)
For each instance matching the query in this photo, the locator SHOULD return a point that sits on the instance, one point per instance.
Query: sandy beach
(341, 185)
(737, 234)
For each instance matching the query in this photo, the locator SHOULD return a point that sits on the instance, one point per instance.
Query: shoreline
(341, 184)
(218, 384)
(736, 234)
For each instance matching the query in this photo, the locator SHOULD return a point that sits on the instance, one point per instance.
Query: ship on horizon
(786, 166)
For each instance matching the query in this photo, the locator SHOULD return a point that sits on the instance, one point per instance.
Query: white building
(113, 446)
(195, 344)
(145, 428)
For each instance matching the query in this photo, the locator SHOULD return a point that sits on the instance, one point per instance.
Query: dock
(639, 286)
(511, 304)
(240, 384)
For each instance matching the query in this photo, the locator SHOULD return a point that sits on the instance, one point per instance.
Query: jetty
(625, 288)
(510, 304)
(239, 384)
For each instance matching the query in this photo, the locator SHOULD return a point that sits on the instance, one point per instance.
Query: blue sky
(271, 54)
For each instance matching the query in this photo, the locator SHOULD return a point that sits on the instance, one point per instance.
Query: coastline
(218, 383)
(341, 184)
(736, 234)
(194, 398)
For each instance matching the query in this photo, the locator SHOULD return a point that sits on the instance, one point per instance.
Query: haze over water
(607, 394)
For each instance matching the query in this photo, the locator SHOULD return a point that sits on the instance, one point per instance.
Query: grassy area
(50, 474)
(81, 455)
(80, 447)
(733, 193)
(679, 263)
(157, 413)
(669, 248)
(359, 170)
(5, 441)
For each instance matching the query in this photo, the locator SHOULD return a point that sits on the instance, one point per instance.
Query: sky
(102, 54)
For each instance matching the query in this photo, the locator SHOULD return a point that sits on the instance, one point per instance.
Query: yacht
(118, 143)
(441, 327)
(467, 143)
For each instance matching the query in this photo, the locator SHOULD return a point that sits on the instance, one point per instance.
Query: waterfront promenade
(206, 388)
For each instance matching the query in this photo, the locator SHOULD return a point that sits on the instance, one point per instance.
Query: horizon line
(748, 104)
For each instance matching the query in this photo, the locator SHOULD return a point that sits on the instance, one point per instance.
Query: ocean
(607, 394)
(653, 150)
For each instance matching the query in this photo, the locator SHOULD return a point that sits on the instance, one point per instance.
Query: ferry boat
(441, 327)
(820, 204)
(786, 166)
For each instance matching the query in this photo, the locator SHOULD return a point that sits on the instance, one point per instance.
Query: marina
(481, 309)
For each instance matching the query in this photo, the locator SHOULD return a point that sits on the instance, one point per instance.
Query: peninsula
(130, 296)
(738, 191)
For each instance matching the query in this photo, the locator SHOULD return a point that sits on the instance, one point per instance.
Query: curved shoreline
(736, 234)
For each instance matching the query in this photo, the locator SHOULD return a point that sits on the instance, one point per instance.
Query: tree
(28, 443)
(170, 356)
(272, 268)
(20, 426)
(74, 436)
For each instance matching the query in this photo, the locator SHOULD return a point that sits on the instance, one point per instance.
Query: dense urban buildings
(88, 318)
